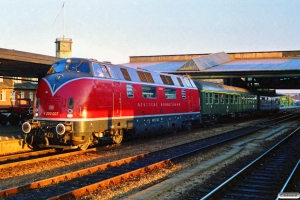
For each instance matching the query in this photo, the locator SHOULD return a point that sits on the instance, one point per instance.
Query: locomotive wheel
(117, 136)
(188, 126)
(14, 119)
(3, 120)
(85, 145)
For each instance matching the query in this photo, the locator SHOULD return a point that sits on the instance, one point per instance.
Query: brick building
(15, 88)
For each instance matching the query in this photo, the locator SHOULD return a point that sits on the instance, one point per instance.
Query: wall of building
(11, 90)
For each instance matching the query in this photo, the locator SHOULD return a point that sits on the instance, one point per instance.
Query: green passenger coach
(219, 100)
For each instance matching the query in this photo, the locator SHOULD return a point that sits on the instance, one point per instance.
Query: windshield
(57, 67)
(74, 65)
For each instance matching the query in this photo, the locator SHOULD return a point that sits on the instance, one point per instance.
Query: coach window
(170, 93)
(206, 98)
(183, 95)
(129, 89)
(222, 99)
(231, 99)
(216, 98)
(210, 98)
(149, 91)
(227, 99)
(235, 99)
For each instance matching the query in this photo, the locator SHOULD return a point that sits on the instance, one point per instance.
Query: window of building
(149, 91)
(125, 74)
(129, 89)
(22, 94)
(3, 95)
(13, 96)
(170, 93)
(31, 96)
(183, 94)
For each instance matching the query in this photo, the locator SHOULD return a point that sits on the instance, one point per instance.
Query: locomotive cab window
(97, 70)
(149, 91)
(129, 89)
(79, 66)
(105, 71)
(111, 71)
(170, 93)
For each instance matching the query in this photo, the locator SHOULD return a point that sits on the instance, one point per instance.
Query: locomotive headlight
(70, 115)
(84, 113)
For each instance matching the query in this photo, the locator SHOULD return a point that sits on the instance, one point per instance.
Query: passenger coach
(219, 100)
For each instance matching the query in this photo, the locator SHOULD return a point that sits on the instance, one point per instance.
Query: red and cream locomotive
(81, 102)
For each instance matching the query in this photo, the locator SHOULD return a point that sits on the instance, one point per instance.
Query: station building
(16, 88)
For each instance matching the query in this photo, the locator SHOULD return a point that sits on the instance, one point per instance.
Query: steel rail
(104, 183)
(248, 166)
(30, 161)
(25, 154)
(289, 178)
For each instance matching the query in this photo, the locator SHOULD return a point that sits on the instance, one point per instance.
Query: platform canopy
(23, 64)
(280, 70)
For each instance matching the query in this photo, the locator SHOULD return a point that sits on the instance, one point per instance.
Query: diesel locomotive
(82, 102)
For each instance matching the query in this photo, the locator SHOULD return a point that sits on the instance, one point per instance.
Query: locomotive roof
(208, 86)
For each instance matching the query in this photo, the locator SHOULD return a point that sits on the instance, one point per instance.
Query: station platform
(11, 139)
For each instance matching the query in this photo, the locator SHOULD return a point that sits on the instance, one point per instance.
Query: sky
(114, 30)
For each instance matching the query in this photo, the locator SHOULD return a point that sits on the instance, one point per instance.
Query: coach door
(117, 100)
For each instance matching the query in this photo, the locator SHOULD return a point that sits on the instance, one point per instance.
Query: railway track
(35, 156)
(264, 176)
(292, 184)
(115, 172)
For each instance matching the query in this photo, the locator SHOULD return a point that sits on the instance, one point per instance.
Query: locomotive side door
(116, 100)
